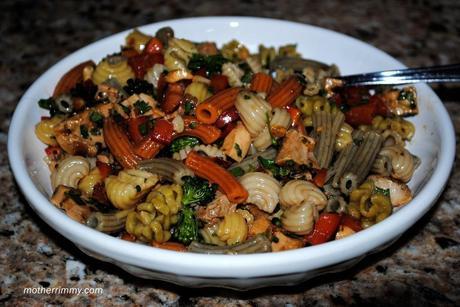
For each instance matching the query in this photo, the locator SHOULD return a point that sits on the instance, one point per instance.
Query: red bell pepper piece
(228, 116)
(381, 107)
(219, 83)
(163, 131)
(325, 227)
(351, 222)
(201, 72)
(295, 114)
(320, 177)
(141, 63)
(153, 46)
(362, 114)
(133, 127)
(104, 169)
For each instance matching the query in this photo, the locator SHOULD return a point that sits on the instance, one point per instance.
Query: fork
(442, 73)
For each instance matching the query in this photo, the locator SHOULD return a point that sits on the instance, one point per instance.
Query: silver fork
(443, 73)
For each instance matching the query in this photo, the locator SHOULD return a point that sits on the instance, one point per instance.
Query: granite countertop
(422, 268)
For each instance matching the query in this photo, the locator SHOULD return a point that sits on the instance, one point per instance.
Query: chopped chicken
(237, 142)
(218, 208)
(79, 135)
(401, 102)
(400, 193)
(343, 232)
(298, 148)
(284, 242)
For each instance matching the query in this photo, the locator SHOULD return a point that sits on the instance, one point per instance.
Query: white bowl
(434, 143)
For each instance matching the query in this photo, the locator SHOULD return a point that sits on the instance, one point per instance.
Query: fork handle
(444, 73)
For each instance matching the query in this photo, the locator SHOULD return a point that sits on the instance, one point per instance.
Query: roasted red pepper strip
(104, 169)
(320, 178)
(141, 63)
(153, 46)
(325, 227)
(133, 127)
(295, 115)
(362, 114)
(219, 83)
(163, 131)
(351, 222)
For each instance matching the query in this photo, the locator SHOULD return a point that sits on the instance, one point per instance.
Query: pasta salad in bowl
(183, 152)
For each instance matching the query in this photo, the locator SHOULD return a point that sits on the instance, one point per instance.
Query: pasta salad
(190, 147)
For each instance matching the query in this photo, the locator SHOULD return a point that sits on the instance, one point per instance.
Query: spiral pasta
(113, 67)
(178, 54)
(44, 130)
(233, 229)
(402, 162)
(128, 187)
(167, 168)
(310, 104)
(209, 235)
(254, 63)
(69, 171)
(233, 73)
(87, 183)
(152, 220)
(296, 192)
(299, 219)
(263, 190)
(344, 137)
(279, 123)
(401, 126)
(153, 74)
(266, 55)
(254, 112)
(137, 40)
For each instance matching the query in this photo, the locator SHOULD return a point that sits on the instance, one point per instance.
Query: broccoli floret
(186, 229)
(197, 191)
(181, 143)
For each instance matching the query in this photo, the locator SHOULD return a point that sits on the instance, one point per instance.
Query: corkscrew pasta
(183, 145)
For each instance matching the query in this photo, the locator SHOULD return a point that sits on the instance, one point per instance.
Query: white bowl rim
(241, 266)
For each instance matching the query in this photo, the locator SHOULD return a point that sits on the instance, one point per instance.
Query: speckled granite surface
(422, 268)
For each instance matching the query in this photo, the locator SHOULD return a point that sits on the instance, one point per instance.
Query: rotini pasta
(44, 130)
(128, 187)
(113, 67)
(233, 229)
(214, 149)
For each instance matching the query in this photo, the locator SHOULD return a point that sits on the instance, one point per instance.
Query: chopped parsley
(385, 192)
(247, 77)
(276, 170)
(141, 107)
(237, 171)
(212, 64)
(276, 221)
(144, 128)
(95, 131)
(247, 97)
(138, 188)
(193, 125)
(238, 150)
(84, 131)
(188, 107)
(96, 118)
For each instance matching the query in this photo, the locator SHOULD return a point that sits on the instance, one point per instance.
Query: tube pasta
(113, 67)
(166, 168)
(128, 187)
(299, 219)
(402, 162)
(233, 73)
(44, 130)
(326, 128)
(254, 112)
(69, 172)
(263, 190)
(152, 220)
(296, 192)
(233, 229)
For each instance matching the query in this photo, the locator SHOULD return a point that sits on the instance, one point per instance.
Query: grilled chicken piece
(401, 102)
(298, 148)
(79, 135)
(400, 193)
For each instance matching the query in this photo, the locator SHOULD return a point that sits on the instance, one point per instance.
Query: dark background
(420, 269)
